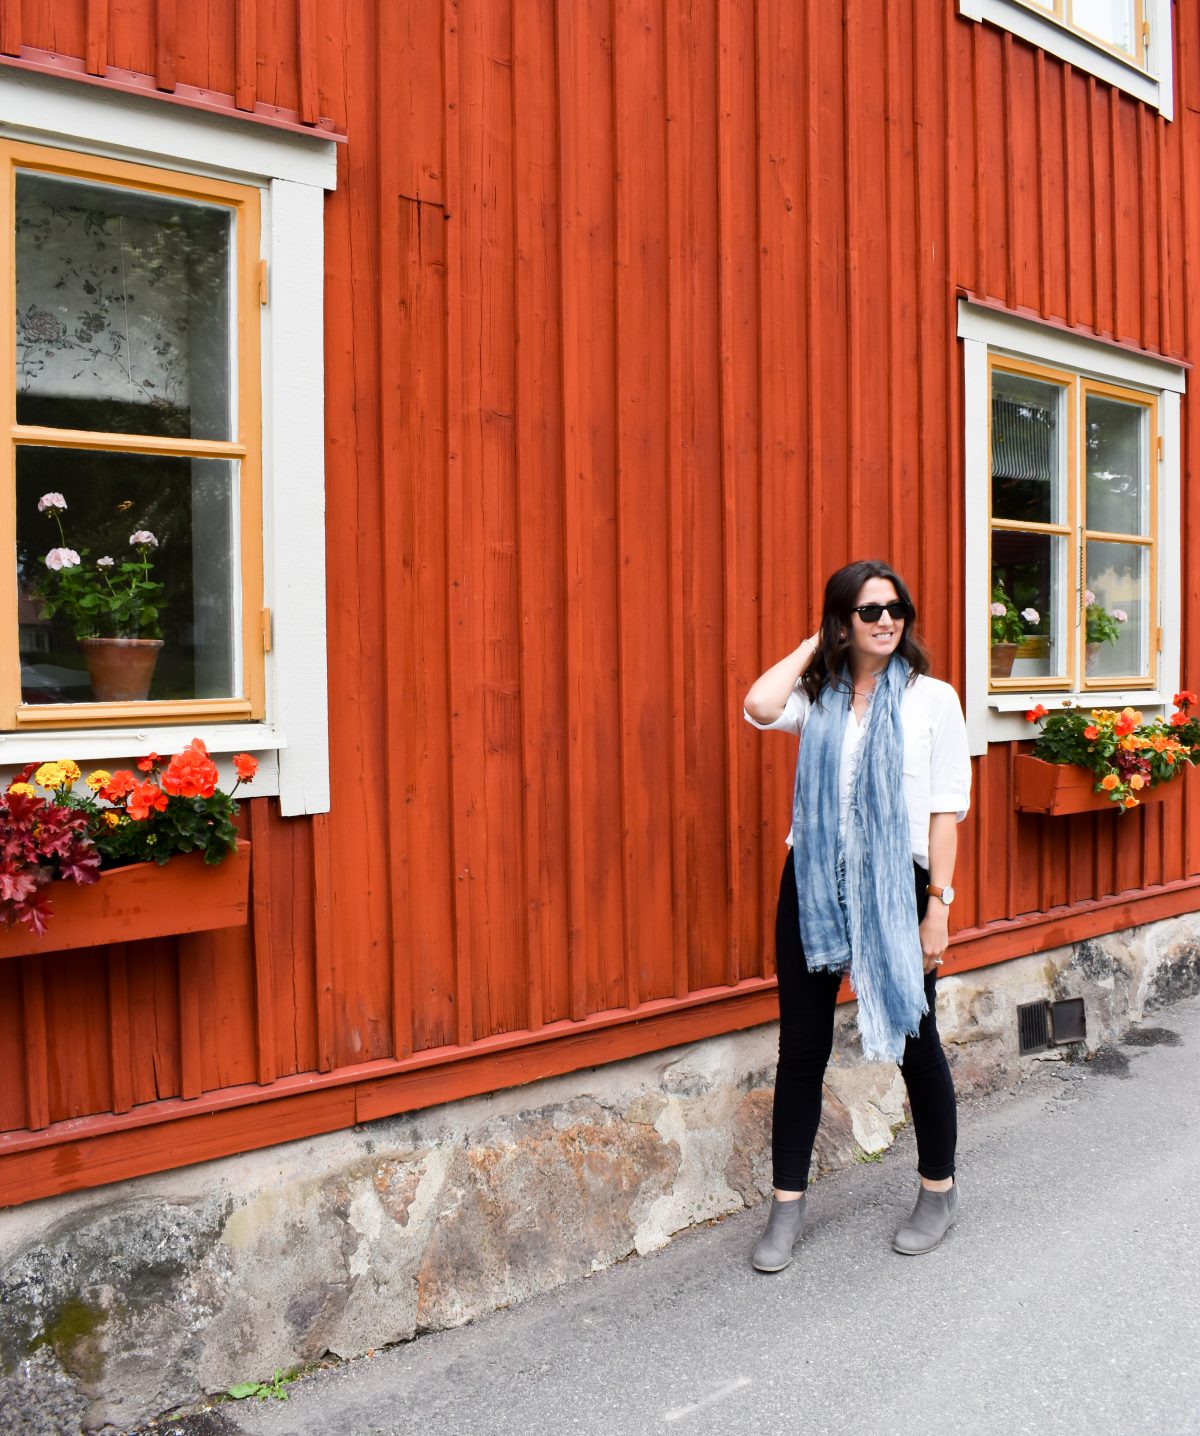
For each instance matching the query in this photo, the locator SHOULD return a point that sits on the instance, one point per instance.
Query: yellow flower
(24, 789)
(1137, 781)
(112, 817)
(97, 780)
(50, 775)
(70, 770)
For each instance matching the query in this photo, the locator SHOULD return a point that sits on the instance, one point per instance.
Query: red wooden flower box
(140, 901)
(1058, 788)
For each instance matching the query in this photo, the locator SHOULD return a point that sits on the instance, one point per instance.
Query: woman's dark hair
(841, 596)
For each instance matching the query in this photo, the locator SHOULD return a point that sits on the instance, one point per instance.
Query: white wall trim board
(1155, 85)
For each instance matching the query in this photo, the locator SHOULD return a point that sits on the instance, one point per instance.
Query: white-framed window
(1126, 43)
(165, 274)
(1072, 465)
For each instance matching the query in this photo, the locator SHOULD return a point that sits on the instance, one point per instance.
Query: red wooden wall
(640, 319)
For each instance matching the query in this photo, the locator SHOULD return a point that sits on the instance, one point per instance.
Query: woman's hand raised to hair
(769, 693)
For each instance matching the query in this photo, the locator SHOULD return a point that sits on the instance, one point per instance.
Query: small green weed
(275, 1389)
(862, 1156)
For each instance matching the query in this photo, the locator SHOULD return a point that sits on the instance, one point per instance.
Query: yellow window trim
(1075, 530)
(246, 447)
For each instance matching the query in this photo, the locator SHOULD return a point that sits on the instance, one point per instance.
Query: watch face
(947, 896)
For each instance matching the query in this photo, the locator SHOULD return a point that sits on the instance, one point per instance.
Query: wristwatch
(946, 894)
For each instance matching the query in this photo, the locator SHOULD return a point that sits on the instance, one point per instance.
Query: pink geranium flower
(60, 558)
(51, 501)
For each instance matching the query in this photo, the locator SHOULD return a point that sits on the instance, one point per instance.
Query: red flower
(145, 799)
(1091, 731)
(1184, 699)
(1035, 715)
(191, 773)
(1123, 725)
(121, 783)
(245, 766)
(148, 763)
(1178, 719)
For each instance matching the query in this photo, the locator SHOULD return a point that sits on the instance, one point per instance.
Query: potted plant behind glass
(1101, 626)
(1007, 630)
(111, 605)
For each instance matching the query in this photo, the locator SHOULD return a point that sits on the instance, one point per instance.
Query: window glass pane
(176, 595)
(1117, 483)
(1109, 20)
(1028, 605)
(1117, 610)
(123, 310)
(1027, 442)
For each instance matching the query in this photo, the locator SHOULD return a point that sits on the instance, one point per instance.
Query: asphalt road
(1067, 1299)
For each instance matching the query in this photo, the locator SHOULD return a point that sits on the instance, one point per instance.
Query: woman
(882, 780)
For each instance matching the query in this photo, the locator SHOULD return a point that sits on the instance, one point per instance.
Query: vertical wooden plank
(245, 93)
(738, 247)
(323, 941)
(165, 43)
(787, 588)
(539, 466)
(413, 448)
(96, 43)
(262, 895)
(120, 1067)
(189, 949)
(1118, 213)
(643, 520)
(583, 43)
(1073, 238)
(1043, 202)
(10, 27)
(487, 693)
(983, 231)
(1101, 253)
(306, 40)
(37, 1078)
(1166, 217)
(675, 564)
(455, 542)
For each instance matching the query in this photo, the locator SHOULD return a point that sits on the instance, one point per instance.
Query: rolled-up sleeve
(950, 757)
(791, 720)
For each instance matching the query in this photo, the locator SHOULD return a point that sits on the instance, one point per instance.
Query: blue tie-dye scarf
(857, 897)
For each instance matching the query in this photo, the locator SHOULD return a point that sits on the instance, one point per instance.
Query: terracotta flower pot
(121, 669)
(1002, 659)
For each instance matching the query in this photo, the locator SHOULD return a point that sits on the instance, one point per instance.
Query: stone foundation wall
(122, 1303)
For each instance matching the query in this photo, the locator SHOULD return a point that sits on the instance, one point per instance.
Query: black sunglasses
(871, 612)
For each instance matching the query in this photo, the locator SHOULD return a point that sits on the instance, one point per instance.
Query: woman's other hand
(935, 934)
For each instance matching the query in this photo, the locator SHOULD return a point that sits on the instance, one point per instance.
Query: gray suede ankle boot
(932, 1217)
(785, 1226)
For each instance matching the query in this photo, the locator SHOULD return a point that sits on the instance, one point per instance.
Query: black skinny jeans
(806, 1007)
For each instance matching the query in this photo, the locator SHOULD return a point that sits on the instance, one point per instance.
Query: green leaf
(243, 1389)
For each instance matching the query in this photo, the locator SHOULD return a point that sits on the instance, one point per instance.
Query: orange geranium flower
(145, 799)
(1034, 714)
(1184, 699)
(1091, 731)
(148, 763)
(1178, 719)
(244, 766)
(1130, 801)
(1109, 782)
(1123, 725)
(121, 783)
(191, 773)
(1170, 757)
(1137, 781)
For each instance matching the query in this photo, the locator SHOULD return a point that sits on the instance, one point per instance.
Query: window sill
(1154, 83)
(1006, 721)
(123, 747)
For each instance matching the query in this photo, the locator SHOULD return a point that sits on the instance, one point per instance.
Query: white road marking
(719, 1394)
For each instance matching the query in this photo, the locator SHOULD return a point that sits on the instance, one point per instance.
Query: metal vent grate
(1033, 1027)
(1068, 1018)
